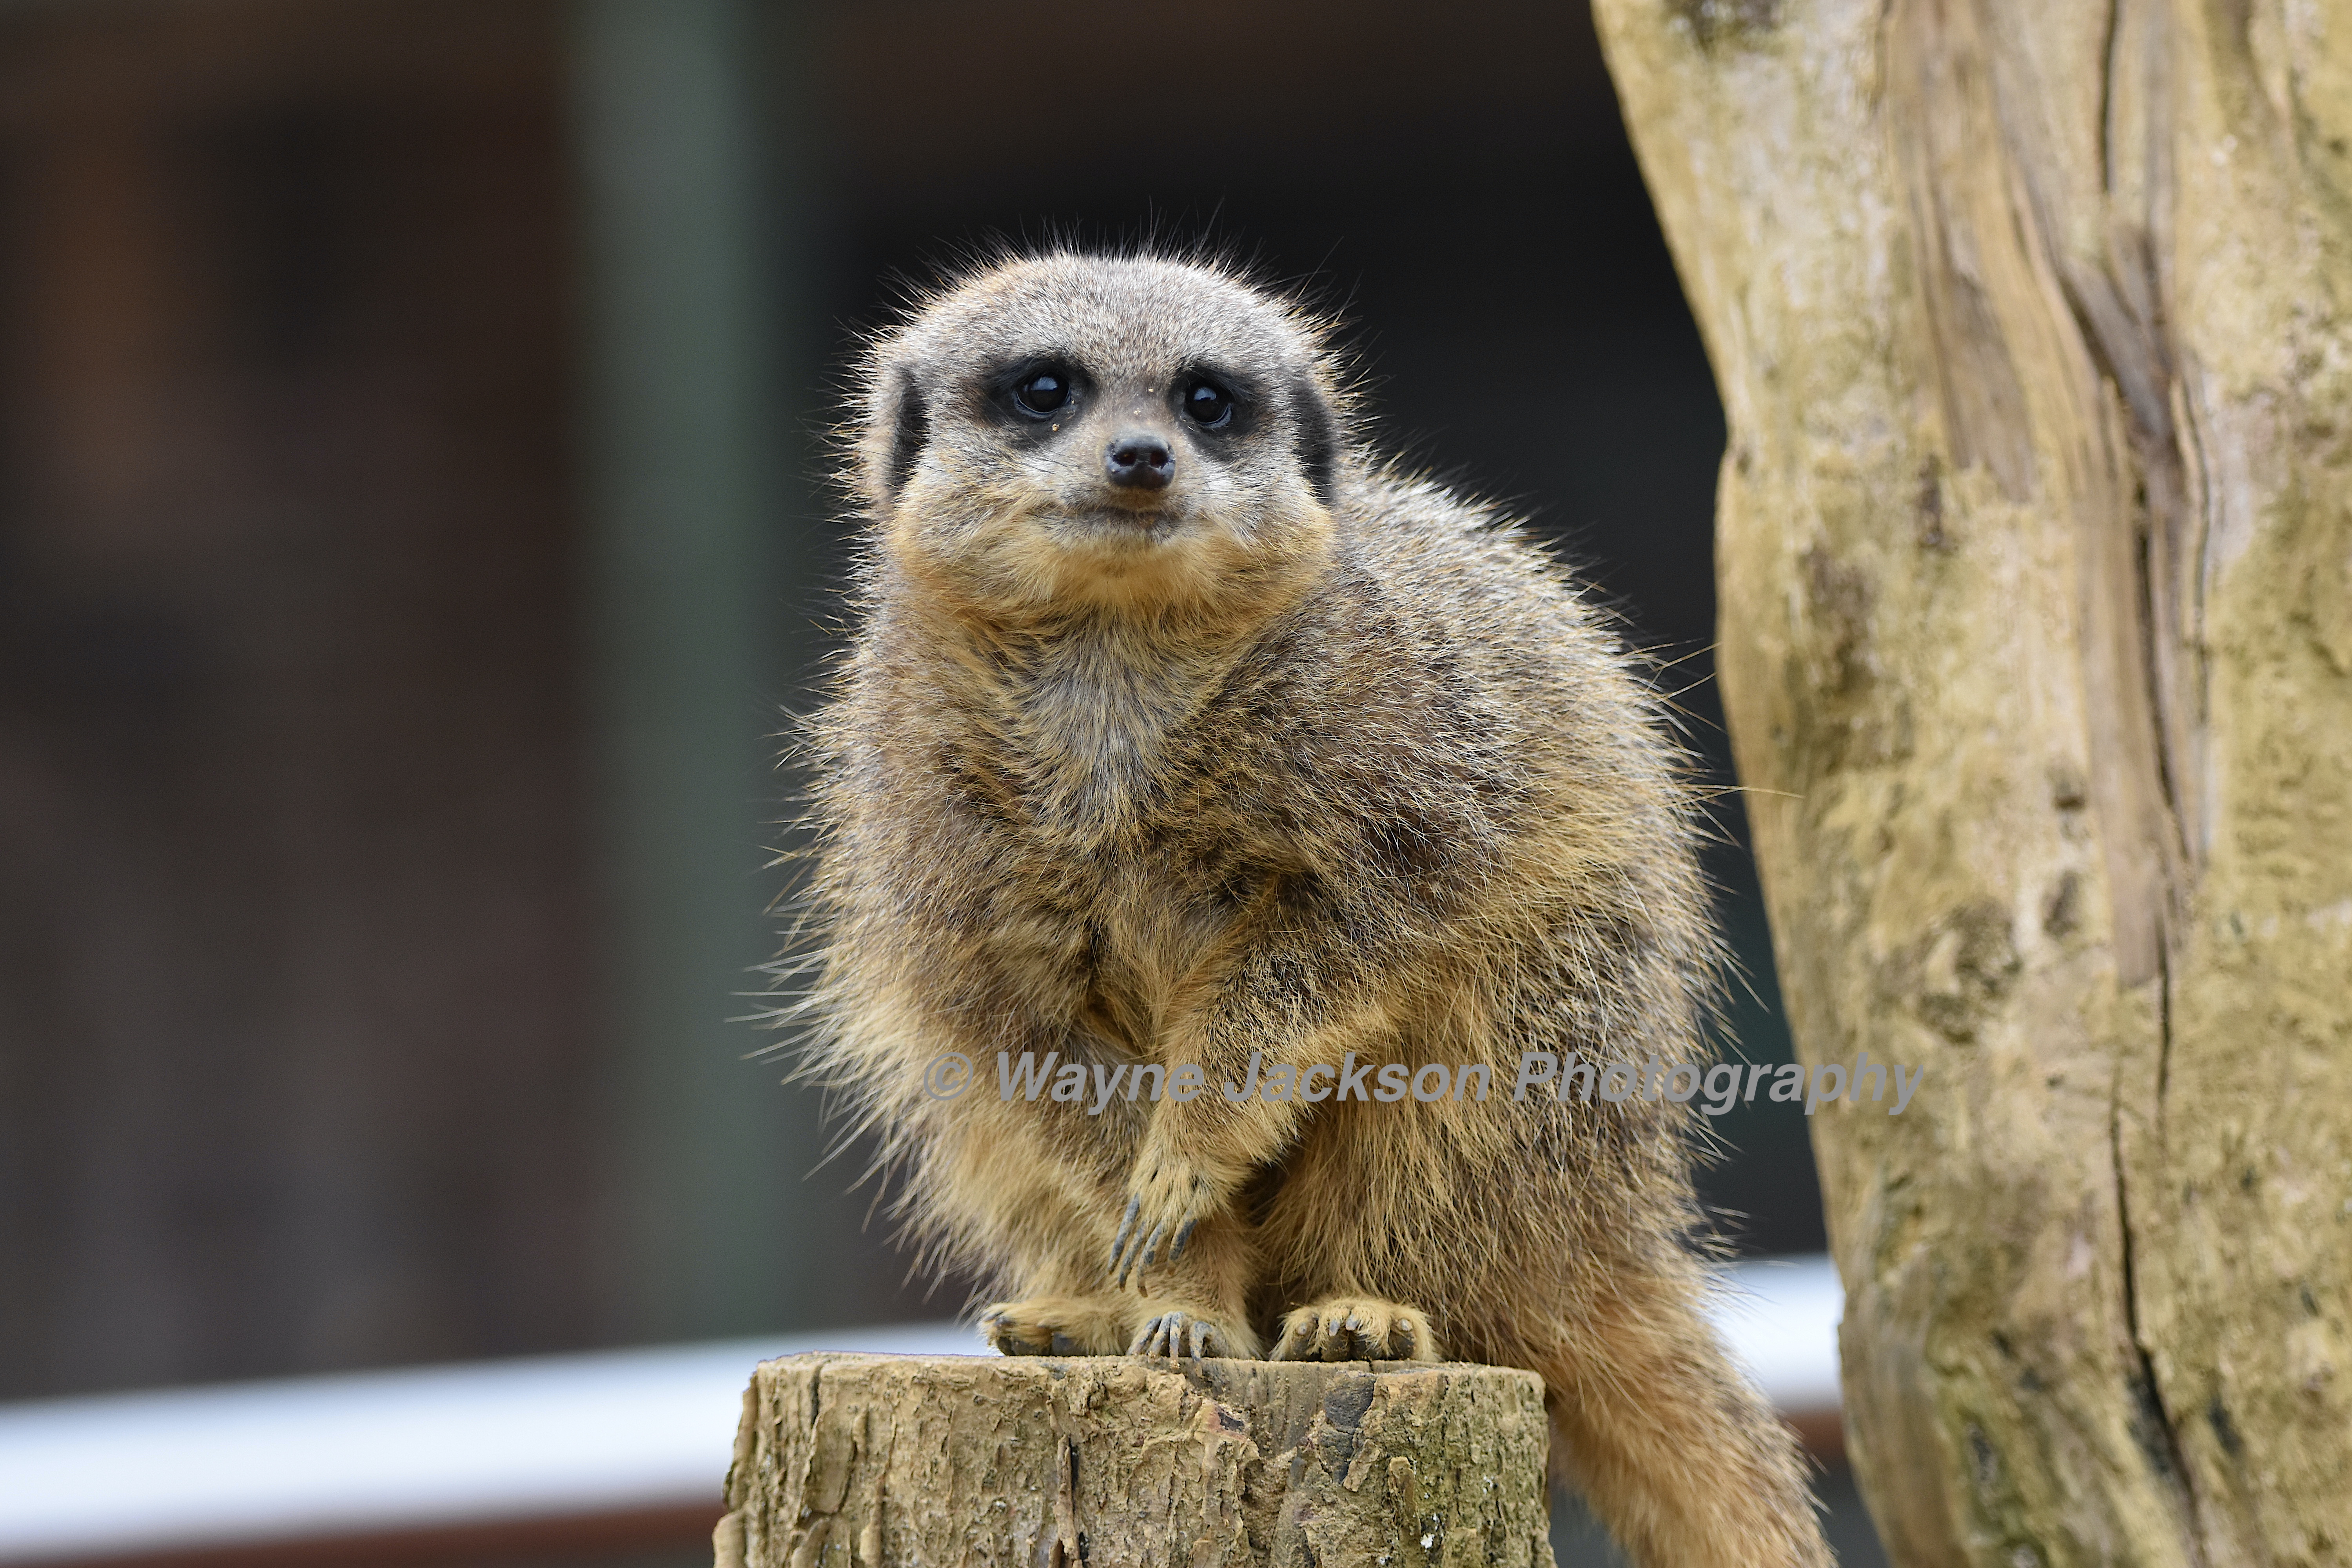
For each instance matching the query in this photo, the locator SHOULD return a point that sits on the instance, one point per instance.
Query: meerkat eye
(1042, 392)
(1206, 403)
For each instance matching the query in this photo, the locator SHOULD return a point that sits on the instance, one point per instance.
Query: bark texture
(846, 1461)
(2035, 559)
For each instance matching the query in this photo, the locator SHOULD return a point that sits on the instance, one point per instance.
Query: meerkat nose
(1140, 461)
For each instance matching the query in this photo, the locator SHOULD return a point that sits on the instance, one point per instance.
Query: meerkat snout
(1139, 460)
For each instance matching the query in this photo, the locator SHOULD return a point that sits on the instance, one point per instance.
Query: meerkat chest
(1092, 748)
(1103, 744)
(1123, 829)
(1107, 801)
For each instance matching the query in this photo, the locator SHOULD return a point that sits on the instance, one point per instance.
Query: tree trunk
(2035, 563)
(856, 1461)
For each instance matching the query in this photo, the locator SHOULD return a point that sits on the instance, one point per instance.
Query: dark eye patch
(1318, 439)
(1206, 401)
(911, 432)
(1214, 401)
(1042, 391)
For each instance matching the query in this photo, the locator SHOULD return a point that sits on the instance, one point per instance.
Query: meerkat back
(1196, 782)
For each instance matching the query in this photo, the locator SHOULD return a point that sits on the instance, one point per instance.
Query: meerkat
(1176, 730)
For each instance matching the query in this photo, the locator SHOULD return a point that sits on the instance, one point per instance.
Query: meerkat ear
(910, 431)
(1318, 438)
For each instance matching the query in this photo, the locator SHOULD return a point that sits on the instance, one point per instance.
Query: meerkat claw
(1176, 1333)
(1058, 1325)
(1356, 1329)
(1152, 1339)
(1133, 1255)
(1126, 1231)
(1166, 1206)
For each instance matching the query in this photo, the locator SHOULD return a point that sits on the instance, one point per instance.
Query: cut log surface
(846, 1461)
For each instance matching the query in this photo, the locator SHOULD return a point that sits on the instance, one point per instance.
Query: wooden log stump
(873, 1461)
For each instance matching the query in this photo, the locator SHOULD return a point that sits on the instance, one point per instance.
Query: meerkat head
(1073, 433)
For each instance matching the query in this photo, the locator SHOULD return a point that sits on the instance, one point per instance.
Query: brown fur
(1296, 756)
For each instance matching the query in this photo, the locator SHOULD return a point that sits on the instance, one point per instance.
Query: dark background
(311, 962)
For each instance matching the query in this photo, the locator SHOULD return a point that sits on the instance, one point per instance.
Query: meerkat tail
(1673, 1450)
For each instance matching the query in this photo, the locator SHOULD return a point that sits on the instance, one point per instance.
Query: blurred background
(413, 531)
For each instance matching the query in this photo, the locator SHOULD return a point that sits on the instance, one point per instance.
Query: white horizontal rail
(550, 1437)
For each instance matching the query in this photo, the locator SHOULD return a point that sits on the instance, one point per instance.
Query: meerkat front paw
(1172, 1331)
(1356, 1328)
(1058, 1325)
(1169, 1197)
